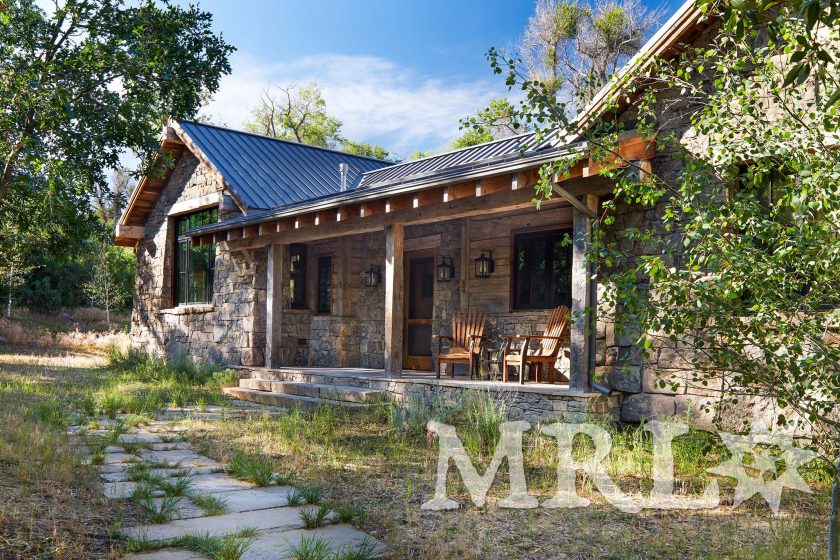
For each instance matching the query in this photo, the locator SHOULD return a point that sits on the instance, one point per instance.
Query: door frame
(420, 363)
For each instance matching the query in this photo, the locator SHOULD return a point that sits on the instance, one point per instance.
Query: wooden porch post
(274, 304)
(582, 297)
(394, 290)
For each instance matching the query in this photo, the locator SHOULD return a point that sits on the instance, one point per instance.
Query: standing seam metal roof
(526, 144)
(265, 172)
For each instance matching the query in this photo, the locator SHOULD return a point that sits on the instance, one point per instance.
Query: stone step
(315, 390)
(285, 400)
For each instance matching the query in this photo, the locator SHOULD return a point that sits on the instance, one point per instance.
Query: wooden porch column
(394, 290)
(274, 304)
(582, 297)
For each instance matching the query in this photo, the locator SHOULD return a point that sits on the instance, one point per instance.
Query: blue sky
(399, 74)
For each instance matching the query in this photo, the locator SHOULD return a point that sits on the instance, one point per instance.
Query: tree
(80, 85)
(110, 266)
(574, 47)
(302, 117)
(364, 149)
(299, 116)
(498, 120)
(110, 199)
(741, 276)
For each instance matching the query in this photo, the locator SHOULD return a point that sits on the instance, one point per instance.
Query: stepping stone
(215, 483)
(121, 475)
(186, 509)
(254, 499)
(169, 554)
(173, 446)
(276, 545)
(111, 458)
(274, 518)
(114, 468)
(179, 458)
(139, 438)
(114, 449)
(122, 490)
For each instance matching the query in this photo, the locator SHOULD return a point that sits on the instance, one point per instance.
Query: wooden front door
(419, 309)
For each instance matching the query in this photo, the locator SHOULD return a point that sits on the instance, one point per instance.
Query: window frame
(556, 233)
(297, 249)
(323, 307)
(183, 246)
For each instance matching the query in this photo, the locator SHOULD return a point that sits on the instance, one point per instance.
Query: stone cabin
(302, 261)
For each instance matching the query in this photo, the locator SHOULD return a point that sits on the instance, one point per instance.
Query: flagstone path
(276, 525)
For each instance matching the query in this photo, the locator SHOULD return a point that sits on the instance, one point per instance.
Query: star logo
(767, 452)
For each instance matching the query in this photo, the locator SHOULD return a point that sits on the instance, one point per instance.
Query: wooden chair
(555, 337)
(465, 342)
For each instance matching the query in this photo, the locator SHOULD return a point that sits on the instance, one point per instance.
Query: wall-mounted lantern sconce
(372, 277)
(484, 265)
(445, 270)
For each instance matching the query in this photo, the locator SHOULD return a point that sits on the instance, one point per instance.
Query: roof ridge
(452, 151)
(283, 140)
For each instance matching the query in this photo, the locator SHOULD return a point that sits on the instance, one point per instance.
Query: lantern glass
(372, 277)
(484, 264)
(445, 270)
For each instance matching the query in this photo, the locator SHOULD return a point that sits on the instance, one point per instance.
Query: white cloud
(377, 100)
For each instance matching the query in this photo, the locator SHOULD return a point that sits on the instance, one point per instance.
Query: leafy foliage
(90, 79)
(739, 277)
(301, 116)
(498, 120)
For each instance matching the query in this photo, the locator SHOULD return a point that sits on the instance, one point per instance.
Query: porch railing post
(273, 304)
(582, 298)
(394, 280)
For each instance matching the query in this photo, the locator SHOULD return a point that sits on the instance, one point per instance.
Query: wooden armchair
(465, 342)
(555, 337)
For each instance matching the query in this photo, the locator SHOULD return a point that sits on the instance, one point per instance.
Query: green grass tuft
(251, 468)
(311, 548)
(212, 505)
(314, 518)
(312, 494)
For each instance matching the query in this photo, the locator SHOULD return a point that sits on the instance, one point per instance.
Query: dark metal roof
(512, 147)
(265, 172)
(501, 164)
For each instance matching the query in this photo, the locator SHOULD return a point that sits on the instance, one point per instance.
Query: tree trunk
(834, 520)
(11, 283)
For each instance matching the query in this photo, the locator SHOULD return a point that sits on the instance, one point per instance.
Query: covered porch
(352, 281)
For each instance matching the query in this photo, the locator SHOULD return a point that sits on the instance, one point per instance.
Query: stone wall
(230, 329)
(659, 384)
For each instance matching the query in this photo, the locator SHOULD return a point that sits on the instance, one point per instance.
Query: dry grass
(82, 329)
(364, 461)
(52, 506)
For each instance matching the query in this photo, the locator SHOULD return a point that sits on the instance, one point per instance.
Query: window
(542, 274)
(297, 276)
(194, 266)
(325, 285)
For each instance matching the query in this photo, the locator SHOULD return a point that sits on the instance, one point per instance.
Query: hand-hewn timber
(394, 272)
(274, 304)
(582, 298)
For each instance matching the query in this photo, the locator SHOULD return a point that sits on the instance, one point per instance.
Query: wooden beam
(394, 280)
(582, 298)
(274, 304)
(573, 200)
(134, 233)
(463, 207)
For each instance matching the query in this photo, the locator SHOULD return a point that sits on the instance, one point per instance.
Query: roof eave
(366, 194)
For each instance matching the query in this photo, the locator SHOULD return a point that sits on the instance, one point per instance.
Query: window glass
(325, 285)
(194, 266)
(542, 275)
(297, 276)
